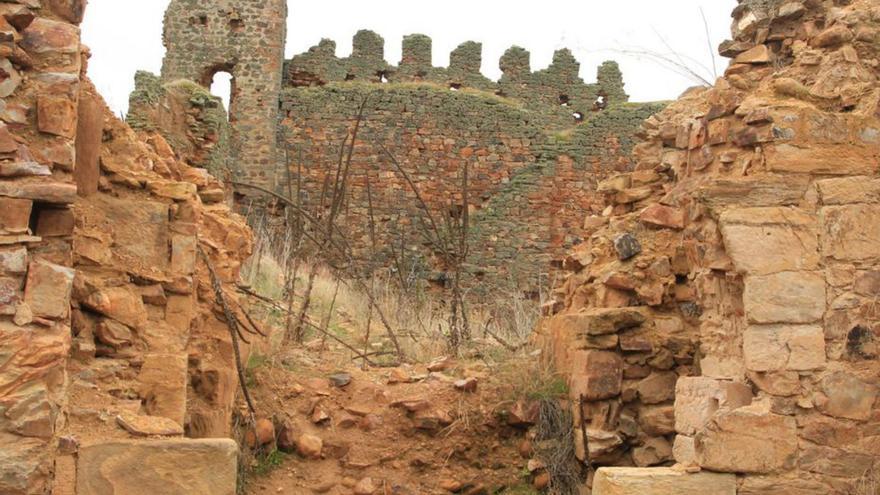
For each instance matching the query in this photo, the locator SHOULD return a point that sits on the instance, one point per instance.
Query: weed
(267, 463)
(520, 489)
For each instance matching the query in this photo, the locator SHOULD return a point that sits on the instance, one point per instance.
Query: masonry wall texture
(727, 320)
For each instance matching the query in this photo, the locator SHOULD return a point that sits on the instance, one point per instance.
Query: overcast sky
(126, 35)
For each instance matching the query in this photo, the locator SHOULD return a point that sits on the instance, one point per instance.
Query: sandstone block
(657, 420)
(162, 384)
(848, 233)
(663, 216)
(56, 116)
(15, 215)
(661, 481)
(193, 467)
(684, 451)
(846, 396)
(14, 260)
(793, 484)
(596, 375)
(748, 440)
(144, 426)
(48, 289)
(698, 399)
(765, 190)
(122, 304)
(600, 321)
(47, 192)
(654, 451)
(845, 190)
(44, 36)
(23, 469)
(763, 241)
(825, 159)
(784, 347)
(657, 388)
(757, 55)
(786, 297)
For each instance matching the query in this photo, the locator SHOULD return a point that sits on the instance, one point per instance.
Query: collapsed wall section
(726, 320)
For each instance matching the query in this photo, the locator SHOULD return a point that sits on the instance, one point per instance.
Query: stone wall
(244, 38)
(514, 163)
(41, 63)
(726, 321)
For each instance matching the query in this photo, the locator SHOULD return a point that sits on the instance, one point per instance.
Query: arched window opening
(222, 86)
(563, 100)
(578, 117)
(454, 86)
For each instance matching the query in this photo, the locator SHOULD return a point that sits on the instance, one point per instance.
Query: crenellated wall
(557, 92)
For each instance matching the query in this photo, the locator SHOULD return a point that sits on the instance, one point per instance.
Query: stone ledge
(661, 481)
(132, 467)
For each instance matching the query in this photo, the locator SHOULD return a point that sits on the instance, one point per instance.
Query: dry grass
(420, 319)
(869, 483)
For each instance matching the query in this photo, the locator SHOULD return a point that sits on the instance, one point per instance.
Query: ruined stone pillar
(244, 38)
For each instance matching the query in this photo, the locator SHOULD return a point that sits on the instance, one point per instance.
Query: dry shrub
(555, 447)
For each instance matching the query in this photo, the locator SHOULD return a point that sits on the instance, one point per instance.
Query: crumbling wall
(189, 117)
(726, 319)
(41, 63)
(108, 331)
(244, 38)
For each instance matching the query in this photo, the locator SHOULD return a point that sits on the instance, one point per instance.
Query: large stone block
(763, 241)
(748, 440)
(849, 190)
(784, 347)
(698, 399)
(786, 297)
(840, 159)
(846, 396)
(661, 481)
(122, 304)
(596, 375)
(600, 321)
(851, 233)
(48, 289)
(191, 467)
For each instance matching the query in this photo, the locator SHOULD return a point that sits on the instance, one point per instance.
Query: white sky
(126, 35)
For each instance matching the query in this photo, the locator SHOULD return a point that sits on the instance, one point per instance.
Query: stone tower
(244, 38)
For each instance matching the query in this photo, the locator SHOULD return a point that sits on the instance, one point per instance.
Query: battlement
(558, 89)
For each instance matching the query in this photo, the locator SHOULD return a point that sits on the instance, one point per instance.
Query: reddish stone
(48, 289)
(663, 216)
(15, 215)
(56, 116)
